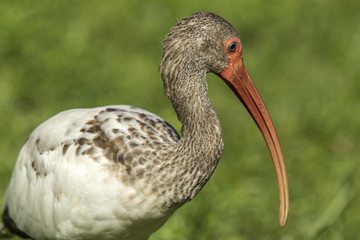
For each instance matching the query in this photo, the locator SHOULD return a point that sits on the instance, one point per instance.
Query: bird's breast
(93, 170)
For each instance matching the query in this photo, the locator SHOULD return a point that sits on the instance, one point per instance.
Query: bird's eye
(232, 46)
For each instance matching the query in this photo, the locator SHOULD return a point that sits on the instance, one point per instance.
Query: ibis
(120, 172)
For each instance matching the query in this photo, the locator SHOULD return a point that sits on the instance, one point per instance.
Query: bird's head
(205, 42)
(197, 43)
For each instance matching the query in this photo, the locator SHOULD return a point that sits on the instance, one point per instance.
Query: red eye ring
(232, 46)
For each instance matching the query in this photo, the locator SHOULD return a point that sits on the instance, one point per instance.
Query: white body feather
(59, 191)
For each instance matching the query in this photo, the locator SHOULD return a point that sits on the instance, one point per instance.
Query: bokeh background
(304, 57)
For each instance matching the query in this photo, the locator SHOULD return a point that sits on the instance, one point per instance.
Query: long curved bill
(237, 77)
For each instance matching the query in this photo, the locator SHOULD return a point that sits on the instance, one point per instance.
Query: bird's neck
(200, 146)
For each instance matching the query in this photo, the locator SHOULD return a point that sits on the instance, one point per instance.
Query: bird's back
(85, 173)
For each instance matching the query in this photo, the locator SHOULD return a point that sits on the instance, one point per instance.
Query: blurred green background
(304, 57)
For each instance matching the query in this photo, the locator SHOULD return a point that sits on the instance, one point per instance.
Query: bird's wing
(79, 155)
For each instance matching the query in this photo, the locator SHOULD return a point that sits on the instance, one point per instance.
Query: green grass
(303, 56)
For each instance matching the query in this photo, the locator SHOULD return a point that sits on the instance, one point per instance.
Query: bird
(120, 172)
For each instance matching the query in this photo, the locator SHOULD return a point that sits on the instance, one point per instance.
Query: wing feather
(83, 164)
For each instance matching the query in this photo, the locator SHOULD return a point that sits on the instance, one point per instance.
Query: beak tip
(283, 217)
(282, 223)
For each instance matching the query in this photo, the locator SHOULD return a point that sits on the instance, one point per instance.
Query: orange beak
(238, 79)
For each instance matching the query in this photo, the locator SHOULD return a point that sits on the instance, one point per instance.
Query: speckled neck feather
(191, 49)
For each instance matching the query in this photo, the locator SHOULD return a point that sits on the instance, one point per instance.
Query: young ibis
(119, 172)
